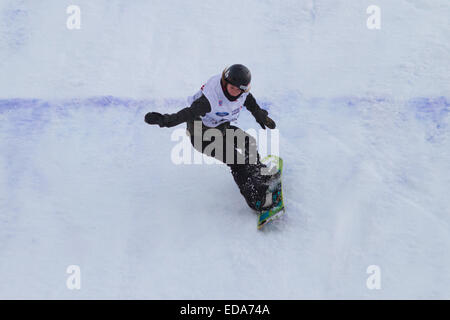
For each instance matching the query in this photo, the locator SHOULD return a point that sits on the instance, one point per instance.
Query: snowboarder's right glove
(263, 120)
(155, 118)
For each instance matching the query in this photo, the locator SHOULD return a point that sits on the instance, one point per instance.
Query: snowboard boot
(270, 183)
(260, 191)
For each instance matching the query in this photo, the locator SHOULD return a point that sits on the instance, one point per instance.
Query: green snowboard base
(266, 216)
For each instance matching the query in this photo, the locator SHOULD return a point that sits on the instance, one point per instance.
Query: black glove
(263, 120)
(154, 118)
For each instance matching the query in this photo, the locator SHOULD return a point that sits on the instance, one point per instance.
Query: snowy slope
(364, 132)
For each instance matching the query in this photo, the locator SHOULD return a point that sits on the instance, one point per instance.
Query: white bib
(222, 109)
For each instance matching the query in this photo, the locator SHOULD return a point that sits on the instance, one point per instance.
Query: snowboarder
(215, 105)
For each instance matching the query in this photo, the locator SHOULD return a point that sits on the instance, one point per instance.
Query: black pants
(245, 165)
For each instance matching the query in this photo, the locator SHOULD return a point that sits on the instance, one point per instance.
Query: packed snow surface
(363, 120)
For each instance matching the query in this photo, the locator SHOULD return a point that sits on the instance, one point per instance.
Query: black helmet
(238, 75)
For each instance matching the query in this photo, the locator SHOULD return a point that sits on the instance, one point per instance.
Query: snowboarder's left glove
(155, 118)
(263, 120)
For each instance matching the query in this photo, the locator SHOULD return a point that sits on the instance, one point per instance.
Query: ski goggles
(240, 87)
(245, 88)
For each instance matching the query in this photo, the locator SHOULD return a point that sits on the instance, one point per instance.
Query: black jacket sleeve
(261, 115)
(252, 106)
(199, 107)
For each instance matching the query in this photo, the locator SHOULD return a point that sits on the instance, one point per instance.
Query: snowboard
(275, 191)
